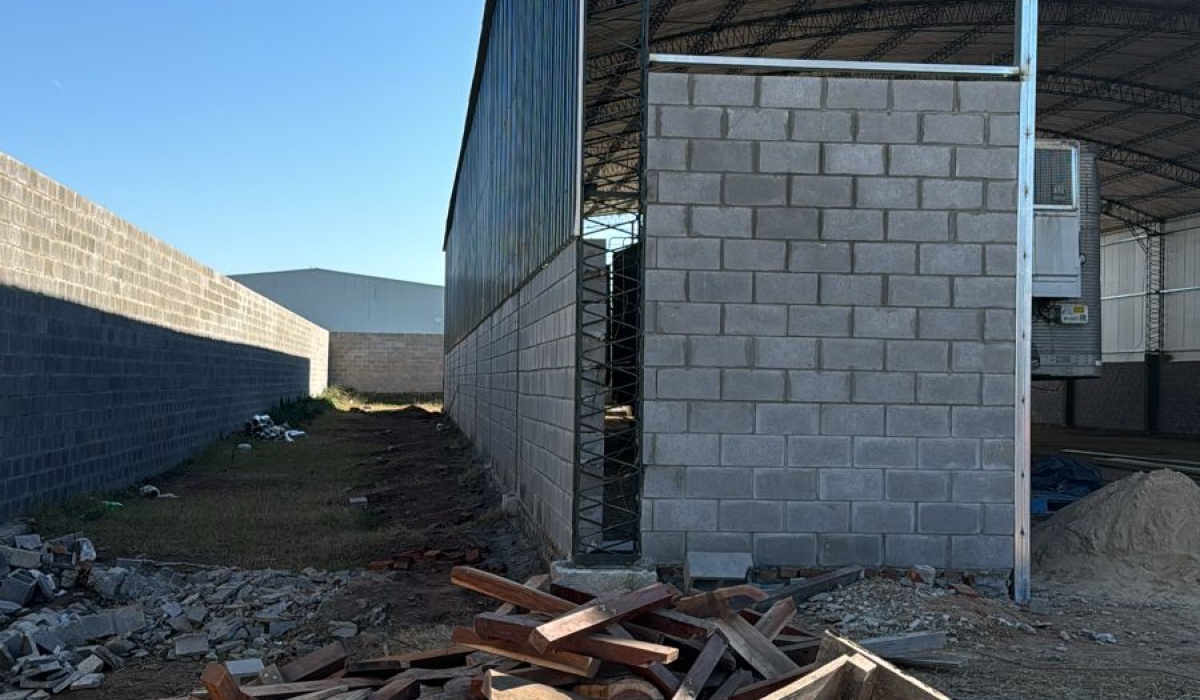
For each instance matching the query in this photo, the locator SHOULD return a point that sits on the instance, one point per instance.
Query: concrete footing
(604, 580)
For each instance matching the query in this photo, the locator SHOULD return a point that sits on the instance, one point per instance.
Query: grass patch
(347, 398)
(278, 505)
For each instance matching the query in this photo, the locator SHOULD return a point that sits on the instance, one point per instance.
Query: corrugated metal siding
(1181, 310)
(1122, 273)
(515, 196)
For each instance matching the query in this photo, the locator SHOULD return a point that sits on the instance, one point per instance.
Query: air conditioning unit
(1066, 261)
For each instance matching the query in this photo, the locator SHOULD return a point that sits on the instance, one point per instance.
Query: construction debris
(263, 428)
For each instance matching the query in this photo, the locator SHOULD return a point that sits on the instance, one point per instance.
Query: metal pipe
(1025, 51)
(1131, 295)
(1180, 290)
(824, 66)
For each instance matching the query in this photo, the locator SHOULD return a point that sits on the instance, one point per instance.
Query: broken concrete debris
(263, 428)
(65, 620)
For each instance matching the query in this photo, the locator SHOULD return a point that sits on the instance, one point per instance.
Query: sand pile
(1138, 535)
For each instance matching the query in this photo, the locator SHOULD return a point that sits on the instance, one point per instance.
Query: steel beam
(821, 66)
(1137, 162)
(1146, 98)
(1131, 216)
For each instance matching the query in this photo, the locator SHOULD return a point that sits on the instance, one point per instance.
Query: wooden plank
(758, 651)
(629, 652)
(319, 664)
(697, 676)
(669, 622)
(567, 662)
(761, 689)
(398, 689)
(219, 684)
(904, 644)
(801, 653)
(361, 694)
(720, 601)
(658, 674)
(803, 590)
(736, 680)
(823, 683)
(323, 694)
(929, 661)
(600, 613)
(445, 657)
(508, 591)
(270, 674)
(891, 682)
(501, 686)
(774, 620)
(285, 690)
(624, 688)
(545, 676)
(862, 678)
(789, 630)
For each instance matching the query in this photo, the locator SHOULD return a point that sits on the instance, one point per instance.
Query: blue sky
(253, 135)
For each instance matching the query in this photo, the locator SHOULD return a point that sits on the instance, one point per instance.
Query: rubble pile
(65, 620)
(263, 428)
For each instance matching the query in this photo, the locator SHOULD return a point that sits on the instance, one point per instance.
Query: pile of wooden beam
(552, 642)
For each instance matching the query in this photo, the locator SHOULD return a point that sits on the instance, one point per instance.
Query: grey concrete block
(668, 88)
(854, 159)
(948, 453)
(664, 547)
(923, 95)
(756, 319)
(893, 258)
(983, 357)
(887, 193)
(751, 516)
(887, 127)
(686, 515)
(951, 194)
(755, 190)
(962, 389)
(663, 482)
(819, 257)
(757, 124)
(792, 92)
(667, 154)
(793, 157)
(787, 419)
(846, 549)
(920, 291)
(951, 259)
(982, 486)
(822, 451)
(1002, 196)
(689, 188)
(689, 384)
(984, 292)
(917, 485)
(1004, 130)
(737, 542)
(918, 355)
(923, 161)
(719, 482)
(721, 417)
(755, 255)
(785, 484)
(883, 387)
(718, 351)
(818, 516)
(918, 421)
(686, 450)
(885, 452)
(838, 419)
(718, 566)
(785, 353)
(689, 253)
(664, 350)
(856, 93)
(986, 228)
(984, 421)
(999, 325)
(666, 285)
(850, 484)
(914, 550)
(722, 222)
(950, 324)
(992, 162)
(998, 519)
(964, 129)
(709, 155)
(989, 96)
(882, 517)
(822, 191)
(752, 450)
(981, 552)
(722, 90)
(721, 286)
(918, 226)
(852, 353)
(689, 317)
(851, 290)
(999, 390)
(665, 416)
(691, 122)
(949, 518)
(817, 321)
(753, 384)
(785, 550)
(667, 219)
(881, 322)
(822, 127)
(787, 223)
(1001, 260)
(785, 288)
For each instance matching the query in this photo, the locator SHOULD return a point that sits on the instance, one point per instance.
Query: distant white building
(385, 335)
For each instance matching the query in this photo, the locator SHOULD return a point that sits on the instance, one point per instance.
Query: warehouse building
(777, 277)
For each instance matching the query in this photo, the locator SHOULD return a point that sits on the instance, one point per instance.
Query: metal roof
(1122, 74)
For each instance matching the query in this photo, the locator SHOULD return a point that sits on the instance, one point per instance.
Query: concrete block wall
(829, 351)
(393, 363)
(119, 356)
(510, 386)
